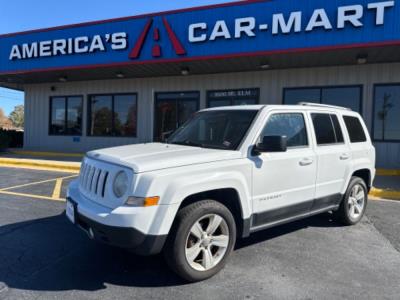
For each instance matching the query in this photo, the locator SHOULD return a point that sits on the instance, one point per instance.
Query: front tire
(354, 202)
(201, 240)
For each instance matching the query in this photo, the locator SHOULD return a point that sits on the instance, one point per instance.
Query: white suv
(226, 173)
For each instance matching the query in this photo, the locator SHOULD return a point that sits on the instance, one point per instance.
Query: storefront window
(113, 115)
(347, 96)
(172, 110)
(233, 97)
(386, 113)
(294, 96)
(66, 115)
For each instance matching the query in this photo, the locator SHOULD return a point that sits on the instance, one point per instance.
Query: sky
(21, 15)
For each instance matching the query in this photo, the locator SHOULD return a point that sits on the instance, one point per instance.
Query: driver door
(284, 183)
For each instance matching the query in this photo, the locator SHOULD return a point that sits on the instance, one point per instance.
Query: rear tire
(354, 202)
(201, 240)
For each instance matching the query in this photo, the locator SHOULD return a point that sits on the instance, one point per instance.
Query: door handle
(306, 162)
(344, 156)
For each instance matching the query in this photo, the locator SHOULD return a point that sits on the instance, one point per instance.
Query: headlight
(120, 186)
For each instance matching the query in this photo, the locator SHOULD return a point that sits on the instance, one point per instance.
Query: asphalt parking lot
(42, 256)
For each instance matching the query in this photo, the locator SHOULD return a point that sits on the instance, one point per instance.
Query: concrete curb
(385, 194)
(47, 165)
(387, 172)
(45, 154)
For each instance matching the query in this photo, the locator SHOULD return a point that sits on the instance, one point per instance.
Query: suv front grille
(93, 180)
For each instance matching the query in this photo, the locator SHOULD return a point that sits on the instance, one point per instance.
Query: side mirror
(272, 143)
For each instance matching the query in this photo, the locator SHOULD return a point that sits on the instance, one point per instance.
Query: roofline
(168, 12)
(211, 57)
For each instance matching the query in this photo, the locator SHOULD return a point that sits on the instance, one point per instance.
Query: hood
(156, 156)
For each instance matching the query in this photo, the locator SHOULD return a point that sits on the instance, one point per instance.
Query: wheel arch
(228, 197)
(365, 175)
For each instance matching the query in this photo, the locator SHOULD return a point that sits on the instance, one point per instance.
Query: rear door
(334, 159)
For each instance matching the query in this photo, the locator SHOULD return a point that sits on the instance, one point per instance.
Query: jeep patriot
(225, 174)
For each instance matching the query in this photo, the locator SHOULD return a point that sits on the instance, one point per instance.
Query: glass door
(172, 110)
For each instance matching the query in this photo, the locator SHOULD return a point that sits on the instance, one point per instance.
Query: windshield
(216, 129)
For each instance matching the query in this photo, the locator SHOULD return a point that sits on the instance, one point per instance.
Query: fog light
(142, 201)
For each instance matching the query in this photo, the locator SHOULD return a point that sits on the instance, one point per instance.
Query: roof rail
(323, 105)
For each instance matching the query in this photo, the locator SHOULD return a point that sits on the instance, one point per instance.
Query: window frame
(333, 126)
(326, 87)
(112, 95)
(289, 113)
(374, 111)
(66, 97)
(208, 93)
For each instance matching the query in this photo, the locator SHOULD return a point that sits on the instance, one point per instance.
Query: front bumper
(123, 237)
(142, 230)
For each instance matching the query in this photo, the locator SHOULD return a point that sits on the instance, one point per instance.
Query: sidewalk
(50, 161)
(54, 156)
(386, 187)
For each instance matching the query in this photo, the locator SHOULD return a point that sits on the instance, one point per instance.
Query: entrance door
(172, 110)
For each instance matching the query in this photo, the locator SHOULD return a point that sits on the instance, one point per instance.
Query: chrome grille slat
(101, 183)
(104, 185)
(85, 179)
(93, 179)
(83, 169)
(90, 180)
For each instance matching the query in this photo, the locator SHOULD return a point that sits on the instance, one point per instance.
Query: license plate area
(70, 210)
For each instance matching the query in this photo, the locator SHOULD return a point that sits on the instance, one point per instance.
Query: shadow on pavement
(323, 220)
(52, 255)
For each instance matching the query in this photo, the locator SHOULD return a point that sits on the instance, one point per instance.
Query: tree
(17, 116)
(5, 122)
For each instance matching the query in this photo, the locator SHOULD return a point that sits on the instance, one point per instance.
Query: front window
(218, 129)
(66, 115)
(113, 115)
(291, 125)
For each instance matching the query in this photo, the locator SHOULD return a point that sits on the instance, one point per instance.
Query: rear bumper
(123, 237)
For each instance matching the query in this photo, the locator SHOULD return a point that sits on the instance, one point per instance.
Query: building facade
(137, 79)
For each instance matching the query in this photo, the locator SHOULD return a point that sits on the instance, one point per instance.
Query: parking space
(42, 256)
(35, 184)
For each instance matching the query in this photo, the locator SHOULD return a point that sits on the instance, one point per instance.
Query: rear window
(327, 129)
(355, 129)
